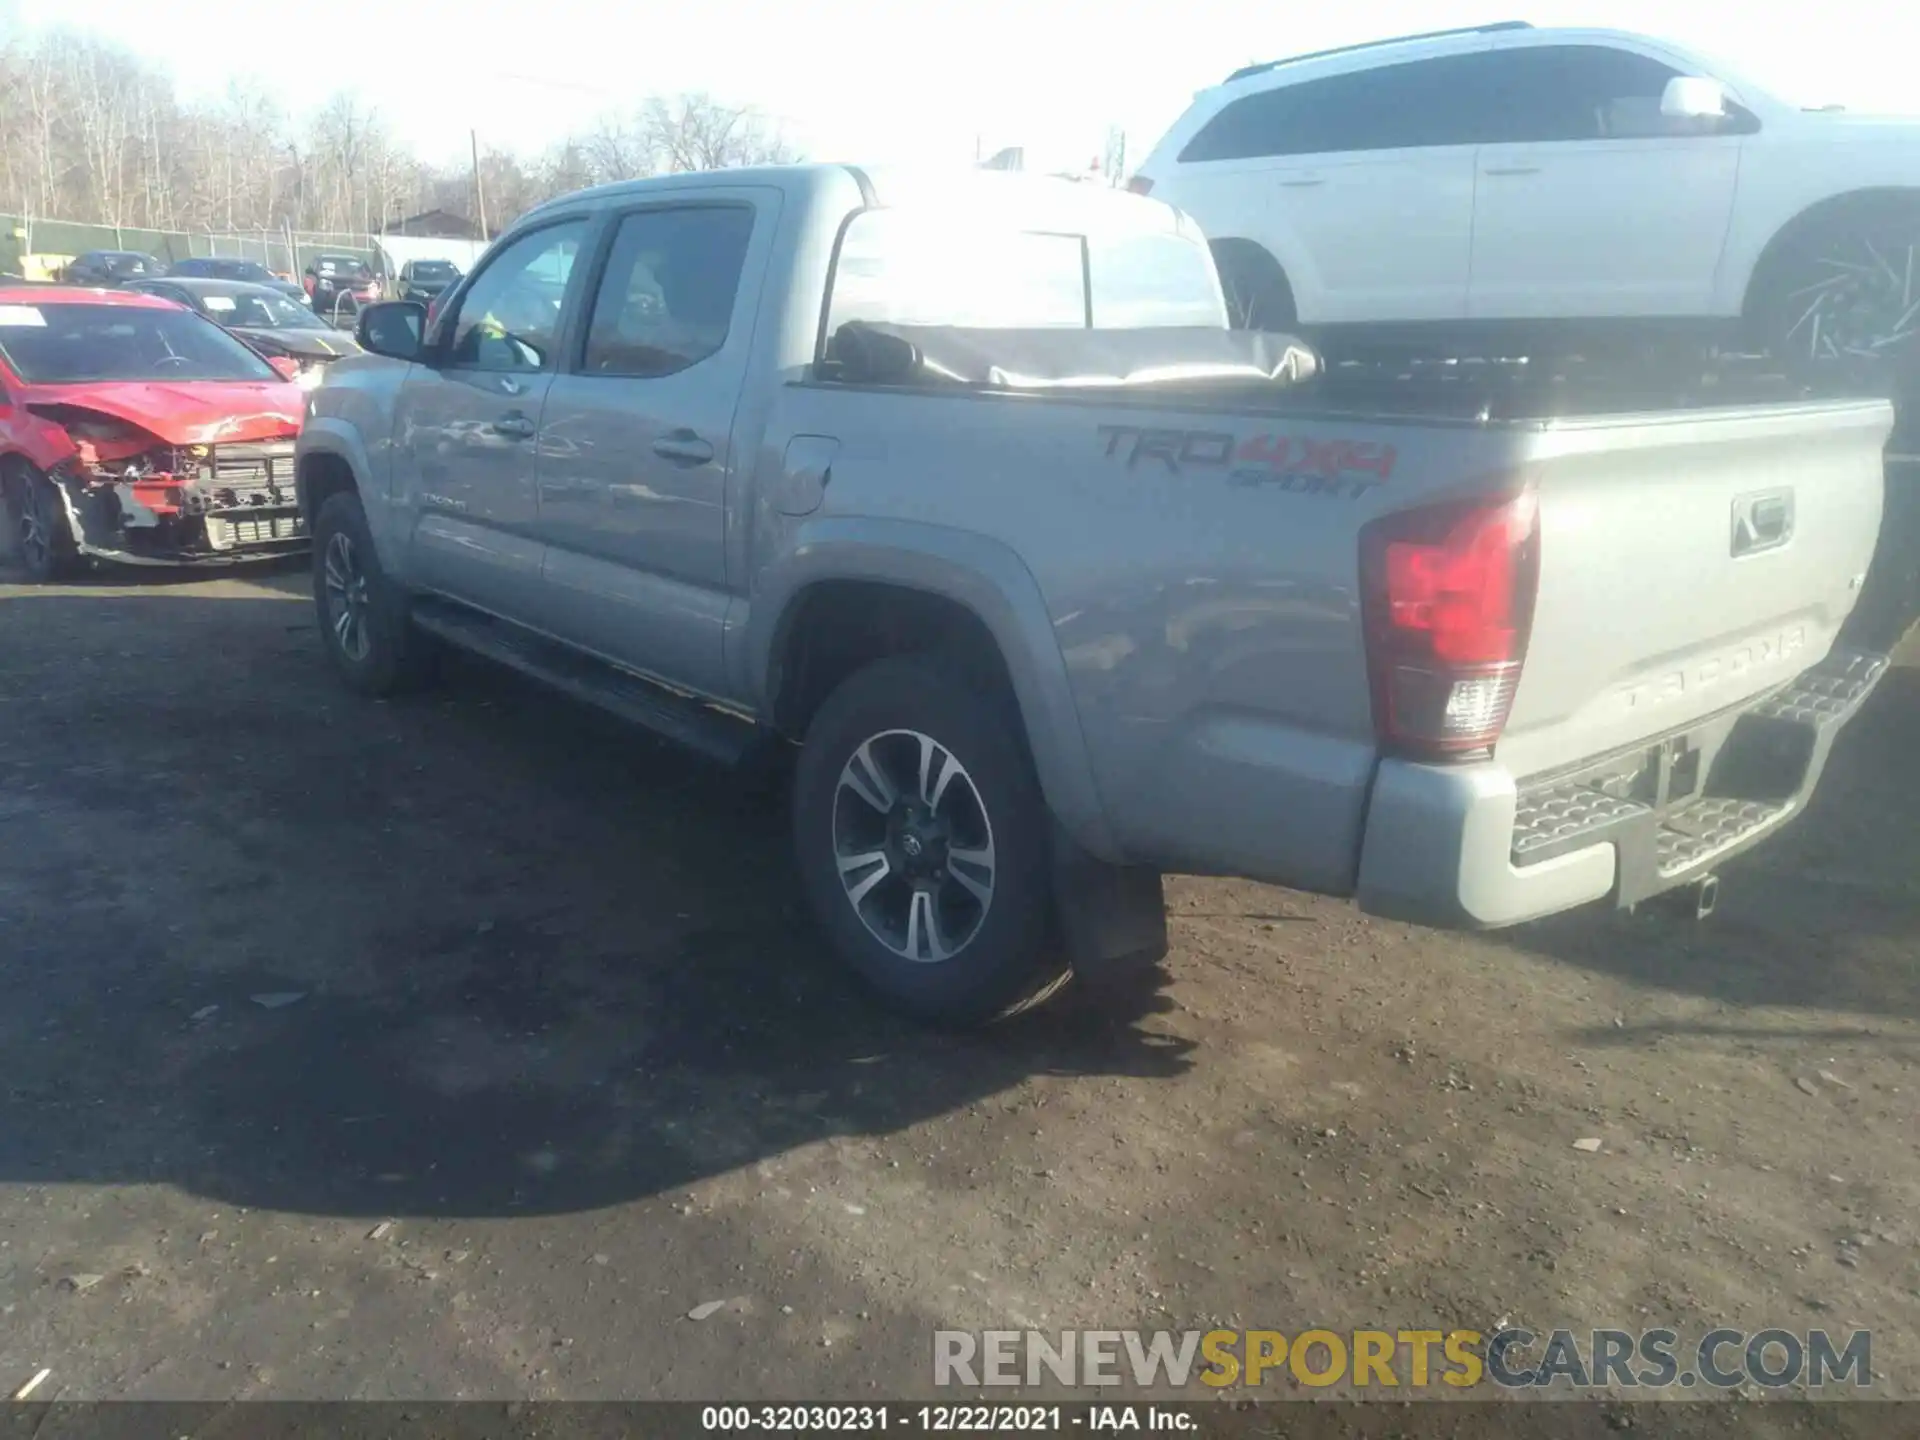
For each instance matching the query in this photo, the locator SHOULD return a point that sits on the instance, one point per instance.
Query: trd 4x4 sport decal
(1293, 463)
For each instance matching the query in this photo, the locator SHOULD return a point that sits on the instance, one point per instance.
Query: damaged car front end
(141, 433)
(133, 501)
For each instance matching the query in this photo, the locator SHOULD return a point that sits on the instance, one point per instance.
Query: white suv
(1508, 173)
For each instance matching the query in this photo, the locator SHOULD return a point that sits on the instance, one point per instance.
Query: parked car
(833, 459)
(138, 431)
(339, 284)
(426, 280)
(1469, 181)
(109, 268)
(267, 319)
(220, 267)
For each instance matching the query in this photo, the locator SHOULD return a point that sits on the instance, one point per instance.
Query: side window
(510, 316)
(1421, 104)
(1555, 93)
(666, 297)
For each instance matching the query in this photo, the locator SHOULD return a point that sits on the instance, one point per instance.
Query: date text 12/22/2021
(945, 1419)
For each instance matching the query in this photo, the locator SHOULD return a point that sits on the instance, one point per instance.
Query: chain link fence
(36, 249)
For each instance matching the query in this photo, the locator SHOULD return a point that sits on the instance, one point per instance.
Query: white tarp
(393, 251)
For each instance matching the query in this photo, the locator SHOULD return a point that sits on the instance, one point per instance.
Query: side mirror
(1693, 97)
(393, 328)
(288, 367)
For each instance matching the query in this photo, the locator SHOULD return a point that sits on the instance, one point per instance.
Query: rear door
(636, 447)
(467, 421)
(1360, 185)
(1589, 201)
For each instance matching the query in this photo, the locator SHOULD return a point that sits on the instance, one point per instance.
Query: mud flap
(1113, 918)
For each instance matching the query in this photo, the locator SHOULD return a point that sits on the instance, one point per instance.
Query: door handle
(513, 425)
(1305, 183)
(683, 447)
(1511, 170)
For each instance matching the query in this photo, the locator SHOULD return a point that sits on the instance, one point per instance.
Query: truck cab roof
(1035, 200)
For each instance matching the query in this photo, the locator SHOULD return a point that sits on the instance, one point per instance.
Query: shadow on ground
(542, 963)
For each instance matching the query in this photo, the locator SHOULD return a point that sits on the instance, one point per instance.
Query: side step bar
(673, 716)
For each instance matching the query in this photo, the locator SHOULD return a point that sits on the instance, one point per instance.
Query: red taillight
(1447, 593)
(1140, 185)
(306, 283)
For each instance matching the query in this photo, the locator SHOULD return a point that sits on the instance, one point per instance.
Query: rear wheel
(41, 533)
(1843, 304)
(921, 837)
(1258, 295)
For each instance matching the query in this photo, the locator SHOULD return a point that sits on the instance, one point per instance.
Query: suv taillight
(1447, 594)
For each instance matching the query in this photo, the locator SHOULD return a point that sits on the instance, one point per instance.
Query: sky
(900, 81)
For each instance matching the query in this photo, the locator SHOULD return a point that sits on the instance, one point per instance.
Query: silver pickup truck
(962, 487)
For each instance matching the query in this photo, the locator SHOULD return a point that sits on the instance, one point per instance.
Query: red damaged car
(134, 430)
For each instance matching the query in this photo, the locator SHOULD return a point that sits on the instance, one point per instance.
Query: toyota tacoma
(963, 489)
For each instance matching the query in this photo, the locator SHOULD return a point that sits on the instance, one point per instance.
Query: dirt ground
(549, 1059)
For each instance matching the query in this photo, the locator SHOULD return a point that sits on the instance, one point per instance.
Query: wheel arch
(1235, 255)
(1867, 202)
(930, 571)
(332, 458)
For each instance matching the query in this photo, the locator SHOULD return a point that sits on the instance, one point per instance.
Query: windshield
(262, 312)
(433, 270)
(64, 344)
(922, 269)
(334, 264)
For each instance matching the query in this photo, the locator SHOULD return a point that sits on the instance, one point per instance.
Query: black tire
(380, 654)
(42, 536)
(1258, 295)
(1826, 298)
(1003, 956)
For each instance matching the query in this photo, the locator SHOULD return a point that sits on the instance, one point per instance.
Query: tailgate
(1688, 563)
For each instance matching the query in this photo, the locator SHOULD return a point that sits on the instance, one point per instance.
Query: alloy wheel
(914, 845)
(347, 597)
(36, 544)
(1861, 303)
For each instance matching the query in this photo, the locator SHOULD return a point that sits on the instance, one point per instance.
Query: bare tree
(698, 132)
(1113, 163)
(91, 132)
(617, 149)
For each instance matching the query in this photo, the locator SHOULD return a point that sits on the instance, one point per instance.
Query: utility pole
(479, 192)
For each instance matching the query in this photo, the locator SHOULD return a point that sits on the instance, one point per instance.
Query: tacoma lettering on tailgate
(1763, 652)
(1297, 464)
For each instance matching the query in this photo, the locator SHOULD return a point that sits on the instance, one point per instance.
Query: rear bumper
(1467, 847)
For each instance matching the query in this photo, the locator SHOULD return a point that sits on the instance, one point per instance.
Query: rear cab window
(911, 267)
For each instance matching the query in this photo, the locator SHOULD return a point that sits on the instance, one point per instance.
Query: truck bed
(1697, 553)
